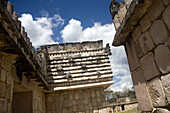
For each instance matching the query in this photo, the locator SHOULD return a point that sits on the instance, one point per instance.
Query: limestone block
(149, 66)
(159, 32)
(162, 57)
(3, 105)
(162, 110)
(3, 75)
(2, 89)
(15, 16)
(167, 43)
(166, 16)
(141, 91)
(136, 33)
(122, 12)
(144, 44)
(166, 85)
(9, 30)
(145, 23)
(116, 21)
(9, 109)
(166, 2)
(4, 24)
(156, 92)
(98, 93)
(10, 8)
(8, 91)
(132, 55)
(77, 96)
(156, 9)
(93, 93)
(8, 78)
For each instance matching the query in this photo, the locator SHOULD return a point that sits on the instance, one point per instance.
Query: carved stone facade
(60, 78)
(144, 30)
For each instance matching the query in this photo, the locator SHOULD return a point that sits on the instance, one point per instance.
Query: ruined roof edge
(134, 13)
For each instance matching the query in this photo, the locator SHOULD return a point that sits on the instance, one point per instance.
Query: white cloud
(40, 29)
(74, 32)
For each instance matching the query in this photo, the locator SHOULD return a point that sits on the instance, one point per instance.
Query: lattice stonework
(77, 65)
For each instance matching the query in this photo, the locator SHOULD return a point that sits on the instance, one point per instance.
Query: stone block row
(84, 100)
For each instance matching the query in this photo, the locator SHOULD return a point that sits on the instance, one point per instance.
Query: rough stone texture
(149, 66)
(166, 85)
(166, 2)
(141, 91)
(3, 105)
(167, 43)
(166, 16)
(122, 12)
(144, 44)
(156, 9)
(82, 100)
(136, 33)
(162, 110)
(159, 32)
(145, 23)
(156, 92)
(3, 75)
(162, 57)
(2, 89)
(132, 56)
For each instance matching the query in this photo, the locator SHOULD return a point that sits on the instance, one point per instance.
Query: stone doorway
(22, 100)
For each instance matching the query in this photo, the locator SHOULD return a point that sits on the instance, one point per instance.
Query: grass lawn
(129, 111)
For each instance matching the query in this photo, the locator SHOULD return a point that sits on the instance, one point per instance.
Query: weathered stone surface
(116, 21)
(3, 75)
(136, 33)
(166, 85)
(149, 66)
(141, 91)
(3, 105)
(156, 9)
(167, 43)
(144, 44)
(166, 2)
(145, 23)
(131, 54)
(166, 16)
(156, 92)
(2, 89)
(162, 57)
(159, 32)
(162, 110)
(122, 12)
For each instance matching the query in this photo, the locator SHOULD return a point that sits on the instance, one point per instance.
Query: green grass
(129, 111)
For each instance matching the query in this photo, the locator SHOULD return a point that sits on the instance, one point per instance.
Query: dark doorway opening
(123, 107)
(22, 100)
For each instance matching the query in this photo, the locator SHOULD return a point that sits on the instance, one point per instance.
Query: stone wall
(148, 51)
(91, 100)
(149, 57)
(10, 83)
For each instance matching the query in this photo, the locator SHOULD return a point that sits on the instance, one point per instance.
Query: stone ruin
(59, 78)
(124, 104)
(143, 27)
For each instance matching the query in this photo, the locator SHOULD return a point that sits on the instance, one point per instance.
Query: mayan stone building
(60, 78)
(143, 27)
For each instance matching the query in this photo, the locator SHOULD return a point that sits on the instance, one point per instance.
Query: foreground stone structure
(143, 26)
(61, 78)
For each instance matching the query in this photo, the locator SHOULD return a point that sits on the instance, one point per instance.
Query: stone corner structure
(59, 78)
(143, 27)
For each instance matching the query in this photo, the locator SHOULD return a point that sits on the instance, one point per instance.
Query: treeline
(113, 96)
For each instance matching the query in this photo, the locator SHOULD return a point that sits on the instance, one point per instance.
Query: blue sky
(87, 11)
(56, 21)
